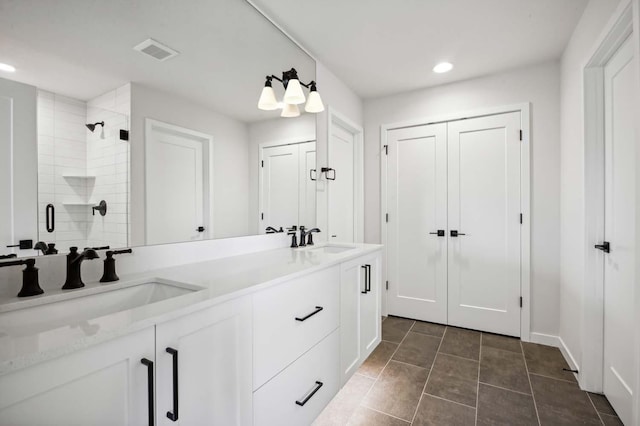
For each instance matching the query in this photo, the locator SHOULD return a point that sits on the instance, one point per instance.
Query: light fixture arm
(286, 76)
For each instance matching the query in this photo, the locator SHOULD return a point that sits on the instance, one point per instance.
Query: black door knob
(439, 233)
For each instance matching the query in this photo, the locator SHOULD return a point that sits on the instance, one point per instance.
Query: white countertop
(219, 280)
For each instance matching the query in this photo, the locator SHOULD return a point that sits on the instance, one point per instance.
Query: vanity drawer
(290, 318)
(278, 401)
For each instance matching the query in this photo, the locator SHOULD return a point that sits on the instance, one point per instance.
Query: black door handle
(311, 174)
(366, 278)
(200, 229)
(455, 233)
(313, 392)
(150, 388)
(173, 416)
(605, 247)
(318, 309)
(439, 233)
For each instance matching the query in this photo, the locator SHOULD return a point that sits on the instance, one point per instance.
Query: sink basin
(72, 308)
(332, 249)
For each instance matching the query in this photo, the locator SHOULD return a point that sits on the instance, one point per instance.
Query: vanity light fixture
(293, 95)
(7, 67)
(443, 67)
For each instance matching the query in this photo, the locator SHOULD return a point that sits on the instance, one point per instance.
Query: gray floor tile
(345, 403)
(418, 349)
(398, 389)
(429, 328)
(460, 342)
(454, 378)
(602, 404)
(366, 417)
(546, 361)
(609, 420)
(505, 343)
(373, 365)
(562, 403)
(505, 369)
(502, 407)
(394, 329)
(436, 411)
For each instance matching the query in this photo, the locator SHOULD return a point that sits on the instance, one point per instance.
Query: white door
(214, 367)
(619, 277)
(177, 190)
(484, 208)
(417, 203)
(106, 384)
(280, 191)
(341, 193)
(307, 186)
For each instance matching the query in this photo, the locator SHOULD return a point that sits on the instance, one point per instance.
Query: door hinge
(520, 134)
(520, 218)
(386, 150)
(521, 301)
(386, 217)
(261, 216)
(262, 163)
(387, 285)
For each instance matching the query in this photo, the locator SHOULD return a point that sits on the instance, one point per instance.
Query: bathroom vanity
(264, 338)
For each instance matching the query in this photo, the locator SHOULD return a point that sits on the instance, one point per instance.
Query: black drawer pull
(368, 268)
(366, 278)
(150, 388)
(174, 416)
(50, 215)
(313, 392)
(318, 309)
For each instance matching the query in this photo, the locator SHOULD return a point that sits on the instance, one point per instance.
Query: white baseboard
(556, 341)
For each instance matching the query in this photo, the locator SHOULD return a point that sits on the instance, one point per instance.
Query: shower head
(92, 127)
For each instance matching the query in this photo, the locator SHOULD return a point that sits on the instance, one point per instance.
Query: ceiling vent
(156, 50)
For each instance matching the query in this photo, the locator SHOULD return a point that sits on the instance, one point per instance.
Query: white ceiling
(84, 48)
(382, 47)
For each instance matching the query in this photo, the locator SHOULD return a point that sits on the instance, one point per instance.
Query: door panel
(341, 191)
(484, 205)
(619, 274)
(280, 186)
(417, 202)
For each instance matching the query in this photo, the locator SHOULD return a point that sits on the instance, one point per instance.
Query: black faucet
(272, 230)
(46, 249)
(310, 233)
(30, 284)
(303, 234)
(294, 238)
(8, 256)
(74, 261)
(109, 274)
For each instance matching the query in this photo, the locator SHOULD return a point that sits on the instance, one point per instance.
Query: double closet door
(453, 235)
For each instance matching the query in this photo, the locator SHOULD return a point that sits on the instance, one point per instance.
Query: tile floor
(430, 374)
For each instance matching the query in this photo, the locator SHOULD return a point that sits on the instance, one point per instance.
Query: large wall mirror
(137, 123)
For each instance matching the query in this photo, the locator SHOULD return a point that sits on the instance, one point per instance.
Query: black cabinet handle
(318, 309)
(455, 233)
(605, 247)
(174, 416)
(439, 233)
(50, 215)
(368, 269)
(366, 278)
(313, 392)
(150, 388)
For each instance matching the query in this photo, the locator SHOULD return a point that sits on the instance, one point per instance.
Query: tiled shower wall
(77, 169)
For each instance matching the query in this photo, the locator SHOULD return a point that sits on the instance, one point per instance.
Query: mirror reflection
(131, 132)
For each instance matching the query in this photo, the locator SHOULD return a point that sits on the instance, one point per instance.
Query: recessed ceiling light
(443, 67)
(7, 67)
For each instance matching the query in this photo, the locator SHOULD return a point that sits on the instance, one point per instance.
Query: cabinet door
(351, 287)
(105, 384)
(214, 368)
(370, 305)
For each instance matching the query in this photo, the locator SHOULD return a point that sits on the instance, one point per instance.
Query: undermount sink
(332, 248)
(74, 308)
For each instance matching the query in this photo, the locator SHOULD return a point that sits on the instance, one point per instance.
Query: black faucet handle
(293, 228)
(121, 251)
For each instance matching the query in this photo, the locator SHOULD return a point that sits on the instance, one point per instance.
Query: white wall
(540, 85)
(572, 230)
(337, 95)
(278, 131)
(230, 150)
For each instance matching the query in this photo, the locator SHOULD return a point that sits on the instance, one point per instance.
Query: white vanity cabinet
(210, 352)
(360, 312)
(105, 384)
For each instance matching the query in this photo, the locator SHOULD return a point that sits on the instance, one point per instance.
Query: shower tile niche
(78, 168)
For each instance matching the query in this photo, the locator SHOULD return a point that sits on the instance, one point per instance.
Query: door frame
(617, 31)
(261, 148)
(525, 197)
(335, 118)
(208, 184)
